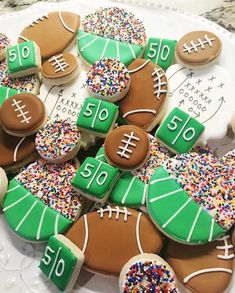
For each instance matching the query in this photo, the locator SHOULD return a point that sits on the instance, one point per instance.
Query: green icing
(58, 263)
(21, 57)
(97, 115)
(100, 155)
(95, 178)
(29, 217)
(160, 51)
(177, 214)
(93, 48)
(6, 92)
(179, 131)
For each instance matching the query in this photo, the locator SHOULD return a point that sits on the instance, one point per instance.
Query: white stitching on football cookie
(116, 210)
(22, 113)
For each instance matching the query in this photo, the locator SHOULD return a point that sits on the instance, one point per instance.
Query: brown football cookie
(197, 48)
(127, 147)
(53, 32)
(15, 152)
(110, 236)
(22, 114)
(60, 69)
(203, 268)
(144, 103)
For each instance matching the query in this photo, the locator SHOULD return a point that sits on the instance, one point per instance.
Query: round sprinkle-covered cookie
(197, 48)
(191, 197)
(108, 79)
(58, 141)
(40, 201)
(127, 147)
(4, 44)
(22, 114)
(60, 69)
(3, 184)
(123, 38)
(147, 273)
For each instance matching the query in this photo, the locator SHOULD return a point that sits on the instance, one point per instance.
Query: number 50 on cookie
(179, 131)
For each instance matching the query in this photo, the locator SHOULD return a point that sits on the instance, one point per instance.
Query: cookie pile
(108, 162)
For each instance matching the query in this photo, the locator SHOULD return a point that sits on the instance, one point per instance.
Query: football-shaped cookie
(110, 236)
(144, 103)
(204, 268)
(52, 32)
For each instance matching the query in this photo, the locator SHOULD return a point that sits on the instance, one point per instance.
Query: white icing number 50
(12, 54)
(103, 115)
(101, 178)
(188, 133)
(47, 258)
(153, 51)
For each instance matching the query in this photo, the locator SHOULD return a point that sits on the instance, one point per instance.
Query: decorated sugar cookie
(95, 179)
(197, 49)
(124, 38)
(16, 152)
(203, 268)
(147, 272)
(3, 184)
(60, 69)
(108, 79)
(205, 95)
(131, 188)
(28, 83)
(61, 262)
(23, 59)
(40, 201)
(52, 33)
(191, 197)
(22, 114)
(4, 44)
(123, 233)
(144, 104)
(160, 51)
(58, 141)
(6, 92)
(97, 117)
(179, 131)
(127, 147)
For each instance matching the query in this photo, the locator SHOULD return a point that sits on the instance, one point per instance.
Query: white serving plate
(19, 260)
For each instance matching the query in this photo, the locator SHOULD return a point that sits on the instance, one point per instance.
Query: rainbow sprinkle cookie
(115, 23)
(4, 44)
(147, 273)
(58, 141)
(52, 184)
(108, 79)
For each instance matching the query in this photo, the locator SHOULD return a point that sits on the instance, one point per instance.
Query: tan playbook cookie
(197, 48)
(22, 114)
(144, 103)
(53, 32)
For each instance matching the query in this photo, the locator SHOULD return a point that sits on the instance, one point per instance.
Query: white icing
(16, 202)
(88, 44)
(125, 151)
(194, 224)
(226, 248)
(181, 130)
(40, 223)
(176, 213)
(83, 36)
(132, 51)
(59, 270)
(21, 112)
(159, 74)
(54, 264)
(56, 224)
(16, 149)
(194, 274)
(64, 24)
(118, 51)
(13, 188)
(161, 179)
(104, 49)
(59, 63)
(24, 38)
(86, 234)
(128, 189)
(140, 67)
(165, 195)
(25, 216)
(94, 175)
(96, 113)
(138, 233)
(42, 18)
(144, 194)
(199, 45)
(211, 229)
(117, 210)
(139, 111)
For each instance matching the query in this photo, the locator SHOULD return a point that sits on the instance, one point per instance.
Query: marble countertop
(220, 11)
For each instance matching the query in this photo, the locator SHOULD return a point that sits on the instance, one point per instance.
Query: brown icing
(127, 147)
(187, 259)
(50, 34)
(141, 94)
(197, 53)
(112, 241)
(22, 113)
(59, 66)
(14, 149)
